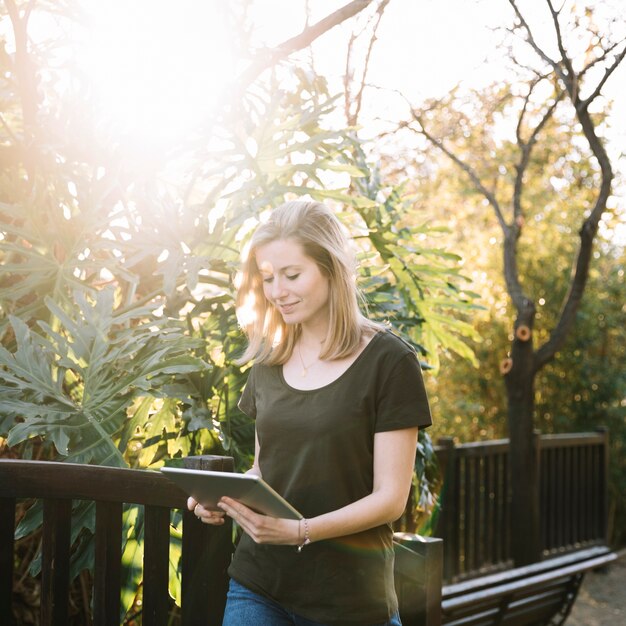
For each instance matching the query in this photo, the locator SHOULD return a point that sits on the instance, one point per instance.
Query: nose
(278, 289)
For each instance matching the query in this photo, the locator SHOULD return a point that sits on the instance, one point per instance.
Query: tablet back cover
(208, 487)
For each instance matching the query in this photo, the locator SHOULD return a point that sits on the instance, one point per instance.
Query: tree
(582, 388)
(563, 87)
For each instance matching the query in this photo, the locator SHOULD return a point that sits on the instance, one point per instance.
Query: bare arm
(394, 456)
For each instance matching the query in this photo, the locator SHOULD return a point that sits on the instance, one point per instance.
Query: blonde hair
(318, 231)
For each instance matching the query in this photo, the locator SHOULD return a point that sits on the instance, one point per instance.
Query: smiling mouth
(286, 308)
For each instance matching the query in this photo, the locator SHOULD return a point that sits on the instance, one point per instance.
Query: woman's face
(293, 283)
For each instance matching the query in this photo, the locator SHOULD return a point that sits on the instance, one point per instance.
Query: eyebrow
(281, 269)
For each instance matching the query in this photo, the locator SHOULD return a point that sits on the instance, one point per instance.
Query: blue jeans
(246, 608)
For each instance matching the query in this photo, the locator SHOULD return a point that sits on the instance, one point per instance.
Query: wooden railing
(474, 517)
(206, 550)
(475, 521)
(573, 490)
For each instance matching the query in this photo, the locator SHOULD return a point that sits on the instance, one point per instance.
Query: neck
(313, 337)
(311, 357)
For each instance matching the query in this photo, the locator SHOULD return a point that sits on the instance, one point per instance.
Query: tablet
(208, 487)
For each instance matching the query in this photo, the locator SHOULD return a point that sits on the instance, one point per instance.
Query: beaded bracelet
(307, 538)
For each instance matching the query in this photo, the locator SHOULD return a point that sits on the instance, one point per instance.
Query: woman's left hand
(262, 528)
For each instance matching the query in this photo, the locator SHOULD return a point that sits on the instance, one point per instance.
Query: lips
(287, 308)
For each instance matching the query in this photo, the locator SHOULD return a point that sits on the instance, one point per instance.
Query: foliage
(73, 384)
(584, 388)
(432, 293)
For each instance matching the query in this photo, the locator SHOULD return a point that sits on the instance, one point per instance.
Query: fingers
(215, 518)
(235, 509)
(261, 528)
(245, 517)
(206, 516)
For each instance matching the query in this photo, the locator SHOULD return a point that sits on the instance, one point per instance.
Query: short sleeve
(247, 402)
(402, 400)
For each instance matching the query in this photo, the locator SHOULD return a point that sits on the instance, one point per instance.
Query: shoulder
(261, 372)
(389, 343)
(387, 351)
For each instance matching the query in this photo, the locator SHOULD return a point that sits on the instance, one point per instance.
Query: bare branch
(571, 84)
(28, 10)
(347, 77)
(609, 70)
(520, 121)
(493, 201)
(531, 41)
(544, 120)
(580, 271)
(511, 232)
(572, 299)
(600, 59)
(588, 230)
(26, 79)
(527, 146)
(522, 303)
(270, 57)
(359, 97)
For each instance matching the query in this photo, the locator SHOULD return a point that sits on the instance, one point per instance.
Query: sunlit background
(142, 86)
(153, 71)
(156, 62)
(157, 68)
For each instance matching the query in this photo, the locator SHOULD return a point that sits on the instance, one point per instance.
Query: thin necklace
(305, 368)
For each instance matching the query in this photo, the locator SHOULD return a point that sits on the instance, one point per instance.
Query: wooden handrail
(50, 479)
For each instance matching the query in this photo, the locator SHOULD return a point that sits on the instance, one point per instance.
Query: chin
(290, 320)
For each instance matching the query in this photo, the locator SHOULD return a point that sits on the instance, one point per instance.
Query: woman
(337, 401)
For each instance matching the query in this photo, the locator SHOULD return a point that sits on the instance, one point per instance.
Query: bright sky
(156, 70)
(424, 48)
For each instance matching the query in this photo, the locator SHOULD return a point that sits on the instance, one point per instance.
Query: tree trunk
(523, 449)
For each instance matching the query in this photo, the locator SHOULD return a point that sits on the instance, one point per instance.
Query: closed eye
(270, 279)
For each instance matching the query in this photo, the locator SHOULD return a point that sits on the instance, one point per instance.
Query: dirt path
(601, 600)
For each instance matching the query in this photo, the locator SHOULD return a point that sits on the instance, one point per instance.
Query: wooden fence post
(525, 526)
(207, 552)
(419, 580)
(55, 562)
(604, 507)
(108, 555)
(448, 525)
(7, 525)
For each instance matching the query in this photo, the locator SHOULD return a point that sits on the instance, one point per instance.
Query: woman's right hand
(206, 516)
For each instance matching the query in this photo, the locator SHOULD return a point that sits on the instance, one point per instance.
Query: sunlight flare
(156, 69)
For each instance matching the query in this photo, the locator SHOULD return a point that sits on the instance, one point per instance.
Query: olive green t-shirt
(317, 451)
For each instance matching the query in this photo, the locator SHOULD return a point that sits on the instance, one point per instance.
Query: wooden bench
(206, 550)
(541, 593)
